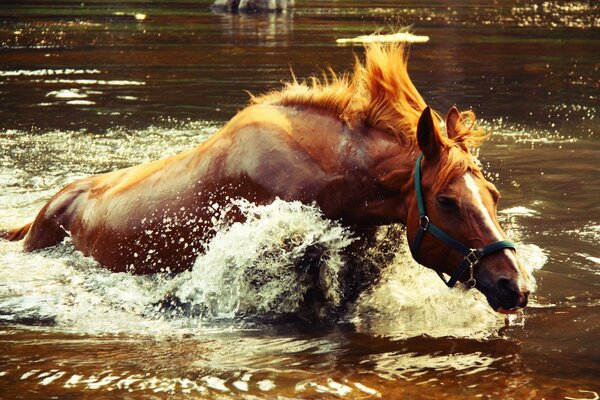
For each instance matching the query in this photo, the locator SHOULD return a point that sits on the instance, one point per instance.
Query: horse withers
(354, 144)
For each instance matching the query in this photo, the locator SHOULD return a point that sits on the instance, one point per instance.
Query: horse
(363, 146)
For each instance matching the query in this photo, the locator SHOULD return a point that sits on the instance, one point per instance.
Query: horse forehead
(477, 194)
(474, 186)
(485, 218)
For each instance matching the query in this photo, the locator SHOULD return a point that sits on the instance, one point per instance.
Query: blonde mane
(378, 93)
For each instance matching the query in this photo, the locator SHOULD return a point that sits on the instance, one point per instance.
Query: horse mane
(378, 93)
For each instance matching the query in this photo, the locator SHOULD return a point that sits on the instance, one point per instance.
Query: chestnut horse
(348, 143)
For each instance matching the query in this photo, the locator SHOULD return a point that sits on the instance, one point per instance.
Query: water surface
(95, 86)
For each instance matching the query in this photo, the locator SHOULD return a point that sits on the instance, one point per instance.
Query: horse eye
(447, 203)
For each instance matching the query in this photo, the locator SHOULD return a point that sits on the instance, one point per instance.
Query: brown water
(90, 87)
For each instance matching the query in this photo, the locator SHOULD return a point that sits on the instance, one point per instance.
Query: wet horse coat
(346, 143)
(155, 216)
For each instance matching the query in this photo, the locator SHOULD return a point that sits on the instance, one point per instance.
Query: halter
(471, 256)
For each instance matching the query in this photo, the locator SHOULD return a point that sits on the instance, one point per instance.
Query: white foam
(215, 383)
(381, 38)
(413, 301)
(67, 94)
(266, 385)
(519, 211)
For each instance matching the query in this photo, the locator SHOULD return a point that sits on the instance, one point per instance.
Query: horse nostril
(507, 286)
(509, 291)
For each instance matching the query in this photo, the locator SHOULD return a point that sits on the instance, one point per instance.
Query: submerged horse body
(347, 143)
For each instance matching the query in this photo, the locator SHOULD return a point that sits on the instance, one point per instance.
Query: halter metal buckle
(472, 257)
(424, 222)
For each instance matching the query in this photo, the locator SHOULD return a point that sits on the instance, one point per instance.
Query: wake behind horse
(348, 143)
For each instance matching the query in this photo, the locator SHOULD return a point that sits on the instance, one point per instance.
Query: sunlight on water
(514, 133)
(590, 233)
(519, 211)
(408, 366)
(33, 167)
(404, 37)
(44, 72)
(139, 382)
(547, 14)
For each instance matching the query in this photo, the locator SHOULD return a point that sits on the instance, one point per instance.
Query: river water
(93, 86)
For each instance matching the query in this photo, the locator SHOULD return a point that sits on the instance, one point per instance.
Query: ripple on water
(231, 387)
(46, 72)
(547, 14)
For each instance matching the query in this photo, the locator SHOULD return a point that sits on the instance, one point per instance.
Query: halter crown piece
(471, 256)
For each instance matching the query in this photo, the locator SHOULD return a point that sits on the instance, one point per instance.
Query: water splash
(253, 269)
(413, 301)
(266, 271)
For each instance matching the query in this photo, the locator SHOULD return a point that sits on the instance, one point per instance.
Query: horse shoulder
(266, 148)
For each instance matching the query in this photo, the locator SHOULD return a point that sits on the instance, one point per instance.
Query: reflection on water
(270, 30)
(106, 85)
(244, 363)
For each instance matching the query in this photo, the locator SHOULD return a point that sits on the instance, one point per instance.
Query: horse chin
(496, 306)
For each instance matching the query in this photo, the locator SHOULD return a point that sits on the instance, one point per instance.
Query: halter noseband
(471, 256)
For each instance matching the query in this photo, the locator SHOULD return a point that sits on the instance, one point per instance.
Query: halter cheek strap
(470, 256)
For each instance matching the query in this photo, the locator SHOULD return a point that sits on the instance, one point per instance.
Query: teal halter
(471, 256)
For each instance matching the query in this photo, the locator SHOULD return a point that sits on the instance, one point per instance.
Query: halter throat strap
(471, 256)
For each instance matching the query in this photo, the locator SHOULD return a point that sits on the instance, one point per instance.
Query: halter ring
(424, 222)
(471, 282)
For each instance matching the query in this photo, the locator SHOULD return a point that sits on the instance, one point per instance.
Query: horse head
(452, 226)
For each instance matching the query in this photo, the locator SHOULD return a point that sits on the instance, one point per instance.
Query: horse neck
(393, 168)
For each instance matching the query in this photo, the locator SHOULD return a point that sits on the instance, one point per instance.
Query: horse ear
(452, 121)
(428, 138)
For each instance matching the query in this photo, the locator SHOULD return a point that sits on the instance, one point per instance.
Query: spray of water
(268, 265)
(284, 259)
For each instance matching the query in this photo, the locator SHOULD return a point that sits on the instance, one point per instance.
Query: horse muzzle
(505, 295)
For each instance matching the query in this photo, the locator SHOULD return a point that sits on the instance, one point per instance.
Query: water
(95, 86)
